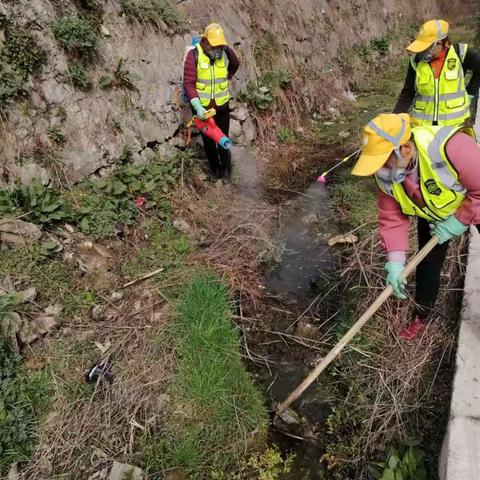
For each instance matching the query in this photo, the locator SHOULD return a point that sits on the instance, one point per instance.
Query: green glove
(448, 229)
(471, 97)
(197, 105)
(394, 270)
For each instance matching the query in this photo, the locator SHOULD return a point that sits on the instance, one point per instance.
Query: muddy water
(292, 285)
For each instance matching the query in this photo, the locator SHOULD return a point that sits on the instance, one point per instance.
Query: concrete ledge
(460, 458)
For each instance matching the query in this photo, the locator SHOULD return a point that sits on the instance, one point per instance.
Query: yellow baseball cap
(215, 35)
(429, 32)
(381, 136)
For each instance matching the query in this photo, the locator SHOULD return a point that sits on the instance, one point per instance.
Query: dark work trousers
(219, 159)
(428, 271)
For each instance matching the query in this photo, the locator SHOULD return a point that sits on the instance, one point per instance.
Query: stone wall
(100, 124)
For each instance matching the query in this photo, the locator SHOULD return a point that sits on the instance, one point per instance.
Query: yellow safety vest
(441, 191)
(443, 100)
(212, 82)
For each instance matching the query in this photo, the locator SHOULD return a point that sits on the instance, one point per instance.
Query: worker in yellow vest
(434, 90)
(208, 69)
(428, 172)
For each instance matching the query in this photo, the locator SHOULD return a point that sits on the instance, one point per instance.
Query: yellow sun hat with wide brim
(429, 32)
(215, 35)
(381, 136)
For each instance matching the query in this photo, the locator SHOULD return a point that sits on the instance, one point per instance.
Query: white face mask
(395, 174)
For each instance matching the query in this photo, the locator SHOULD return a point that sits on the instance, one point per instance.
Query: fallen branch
(142, 278)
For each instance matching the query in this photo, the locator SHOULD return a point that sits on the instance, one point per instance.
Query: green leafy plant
(101, 214)
(406, 465)
(261, 93)
(78, 77)
(76, 35)
(155, 12)
(285, 135)
(20, 57)
(22, 402)
(380, 44)
(121, 78)
(38, 203)
(56, 135)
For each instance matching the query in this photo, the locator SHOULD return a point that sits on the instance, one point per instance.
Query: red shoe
(414, 329)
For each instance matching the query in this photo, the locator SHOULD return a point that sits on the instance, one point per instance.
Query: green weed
(76, 35)
(36, 202)
(166, 247)
(56, 135)
(285, 135)
(23, 399)
(78, 77)
(155, 12)
(265, 50)
(380, 44)
(107, 203)
(353, 200)
(20, 57)
(56, 282)
(222, 405)
(260, 94)
(121, 78)
(404, 464)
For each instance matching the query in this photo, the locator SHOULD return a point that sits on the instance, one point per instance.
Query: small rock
(162, 401)
(310, 218)
(116, 296)
(333, 112)
(28, 295)
(177, 142)
(249, 130)
(289, 416)
(344, 134)
(36, 328)
(349, 95)
(98, 312)
(235, 130)
(306, 330)
(54, 310)
(348, 238)
(240, 113)
(182, 226)
(24, 232)
(13, 472)
(121, 471)
(105, 31)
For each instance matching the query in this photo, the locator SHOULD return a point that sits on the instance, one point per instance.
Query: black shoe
(216, 173)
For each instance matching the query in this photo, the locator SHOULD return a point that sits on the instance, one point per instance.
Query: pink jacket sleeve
(464, 155)
(393, 226)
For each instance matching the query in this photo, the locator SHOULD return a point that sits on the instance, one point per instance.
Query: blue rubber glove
(197, 105)
(448, 229)
(394, 269)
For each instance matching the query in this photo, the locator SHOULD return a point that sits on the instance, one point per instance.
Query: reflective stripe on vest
(441, 191)
(444, 100)
(212, 82)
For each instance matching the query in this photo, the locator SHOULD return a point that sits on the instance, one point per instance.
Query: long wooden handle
(323, 364)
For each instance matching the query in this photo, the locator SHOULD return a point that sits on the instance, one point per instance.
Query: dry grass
(393, 390)
(91, 425)
(233, 233)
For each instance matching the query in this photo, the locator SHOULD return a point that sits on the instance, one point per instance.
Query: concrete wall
(460, 459)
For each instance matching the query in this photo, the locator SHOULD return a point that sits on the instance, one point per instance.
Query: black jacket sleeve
(471, 62)
(407, 94)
